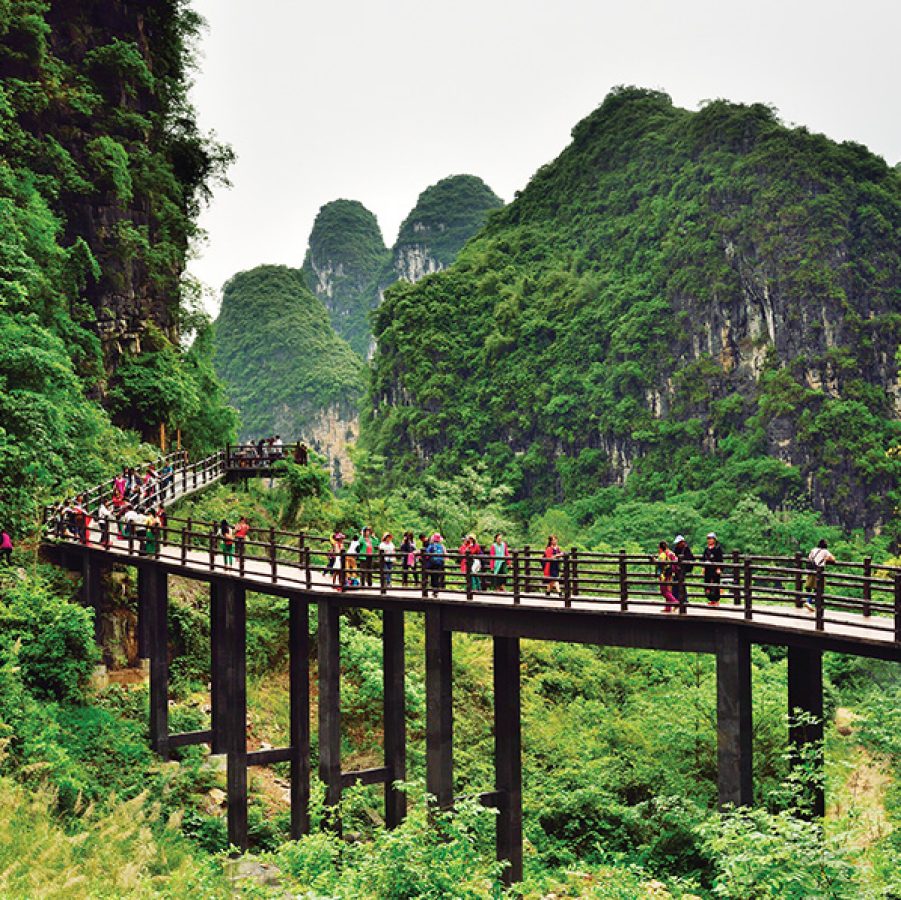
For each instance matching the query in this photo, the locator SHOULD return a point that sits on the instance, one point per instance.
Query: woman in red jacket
(552, 556)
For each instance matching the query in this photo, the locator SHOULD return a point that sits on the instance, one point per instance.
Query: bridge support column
(439, 711)
(299, 687)
(143, 615)
(508, 755)
(234, 602)
(733, 711)
(395, 714)
(329, 702)
(805, 696)
(92, 571)
(218, 656)
(155, 591)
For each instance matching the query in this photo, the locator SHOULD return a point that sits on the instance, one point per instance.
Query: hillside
(445, 217)
(682, 301)
(344, 259)
(284, 367)
(102, 170)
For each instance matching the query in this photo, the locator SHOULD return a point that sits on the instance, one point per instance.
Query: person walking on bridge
(666, 563)
(104, 515)
(366, 556)
(387, 550)
(433, 559)
(227, 543)
(500, 559)
(686, 558)
(817, 559)
(470, 561)
(713, 569)
(553, 553)
(407, 557)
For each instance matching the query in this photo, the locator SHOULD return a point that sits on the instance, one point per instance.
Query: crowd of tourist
(134, 509)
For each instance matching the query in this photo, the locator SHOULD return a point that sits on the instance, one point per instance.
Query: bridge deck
(872, 635)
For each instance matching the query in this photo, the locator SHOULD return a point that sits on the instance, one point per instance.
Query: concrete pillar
(733, 709)
(508, 755)
(439, 711)
(299, 677)
(805, 695)
(395, 714)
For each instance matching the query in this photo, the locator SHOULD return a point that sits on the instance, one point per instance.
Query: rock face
(344, 260)
(690, 301)
(445, 217)
(133, 180)
(284, 367)
(348, 267)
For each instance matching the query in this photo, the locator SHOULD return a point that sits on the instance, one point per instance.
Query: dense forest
(689, 320)
(683, 301)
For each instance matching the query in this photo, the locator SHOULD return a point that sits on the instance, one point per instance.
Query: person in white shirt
(816, 563)
(386, 547)
(103, 517)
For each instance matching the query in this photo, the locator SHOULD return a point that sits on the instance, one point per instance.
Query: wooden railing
(771, 586)
(185, 478)
(251, 456)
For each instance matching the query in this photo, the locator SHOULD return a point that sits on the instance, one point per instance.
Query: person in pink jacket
(6, 547)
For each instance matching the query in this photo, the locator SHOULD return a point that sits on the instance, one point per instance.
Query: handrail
(756, 584)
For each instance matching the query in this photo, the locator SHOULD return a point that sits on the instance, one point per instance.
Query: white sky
(374, 101)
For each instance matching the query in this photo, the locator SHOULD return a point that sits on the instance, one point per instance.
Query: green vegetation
(278, 355)
(69, 144)
(344, 260)
(445, 217)
(704, 302)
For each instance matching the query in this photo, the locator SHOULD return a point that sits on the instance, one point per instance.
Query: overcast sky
(374, 101)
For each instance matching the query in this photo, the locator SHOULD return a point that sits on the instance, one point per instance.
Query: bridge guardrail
(755, 585)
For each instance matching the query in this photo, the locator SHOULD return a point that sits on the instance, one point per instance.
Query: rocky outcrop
(344, 260)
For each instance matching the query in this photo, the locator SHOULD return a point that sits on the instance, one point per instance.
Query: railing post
(184, 477)
(185, 540)
(799, 580)
(342, 568)
(516, 585)
(242, 552)
(228, 456)
(736, 578)
(194, 474)
(425, 574)
(567, 586)
(131, 539)
(527, 569)
(300, 548)
(383, 588)
(748, 588)
(272, 554)
(820, 601)
(308, 568)
(467, 564)
(868, 584)
(574, 572)
(623, 582)
(898, 607)
(212, 550)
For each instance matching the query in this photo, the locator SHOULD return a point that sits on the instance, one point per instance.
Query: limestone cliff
(445, 217)
(681, 301)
